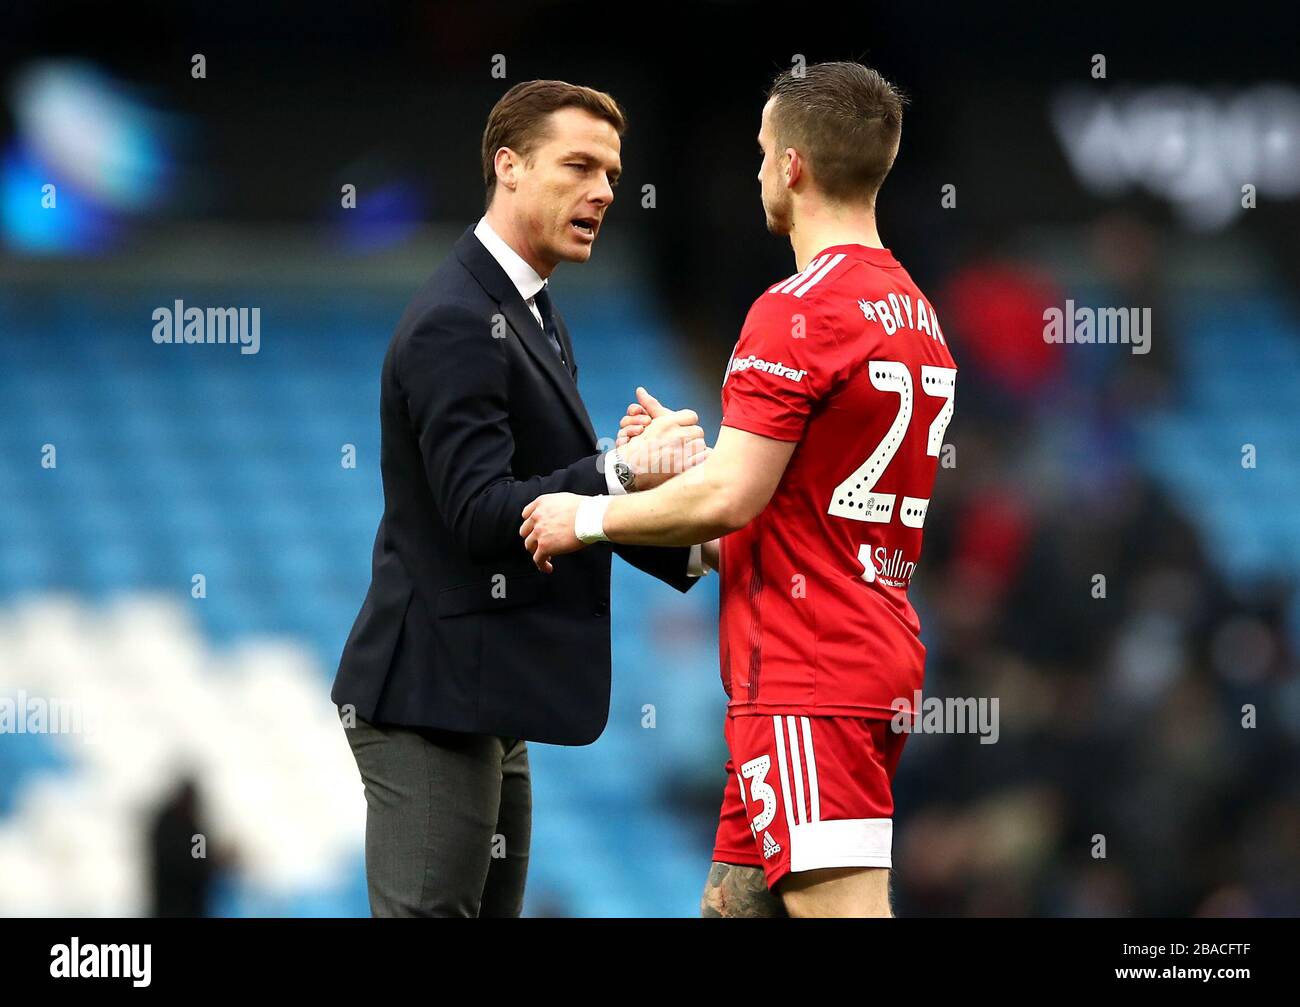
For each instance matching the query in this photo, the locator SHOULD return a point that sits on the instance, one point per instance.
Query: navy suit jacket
(459, 630)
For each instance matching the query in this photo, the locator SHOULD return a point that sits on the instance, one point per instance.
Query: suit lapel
(567, 343)
(492, 278)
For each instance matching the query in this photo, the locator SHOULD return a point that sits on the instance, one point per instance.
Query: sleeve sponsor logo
(776, 368)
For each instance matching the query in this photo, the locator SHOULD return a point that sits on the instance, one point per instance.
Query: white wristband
(589, 523)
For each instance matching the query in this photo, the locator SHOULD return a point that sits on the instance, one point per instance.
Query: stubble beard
(778, 222)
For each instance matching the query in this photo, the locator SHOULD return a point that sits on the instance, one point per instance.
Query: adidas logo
(770, 846)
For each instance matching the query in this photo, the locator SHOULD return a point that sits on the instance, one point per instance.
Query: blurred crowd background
(1113, 553)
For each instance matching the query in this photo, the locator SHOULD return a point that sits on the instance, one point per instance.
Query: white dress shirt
(521, 274)
(528, 283)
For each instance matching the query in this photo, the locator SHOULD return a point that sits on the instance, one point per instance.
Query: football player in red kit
(835, 402)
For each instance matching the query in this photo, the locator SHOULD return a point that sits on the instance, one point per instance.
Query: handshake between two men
(654, 444)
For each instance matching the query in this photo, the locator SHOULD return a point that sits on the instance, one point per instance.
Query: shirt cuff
(611, 477)
(695, 566)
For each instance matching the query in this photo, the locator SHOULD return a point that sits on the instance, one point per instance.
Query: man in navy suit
(462, 650)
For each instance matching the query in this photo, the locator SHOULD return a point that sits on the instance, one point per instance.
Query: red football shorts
(808, 792)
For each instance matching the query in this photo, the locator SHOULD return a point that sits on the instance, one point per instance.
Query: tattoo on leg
(735, 892)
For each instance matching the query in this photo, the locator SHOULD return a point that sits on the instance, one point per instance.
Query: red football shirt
(848, 359)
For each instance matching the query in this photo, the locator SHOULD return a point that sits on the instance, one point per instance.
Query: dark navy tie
(543, 301)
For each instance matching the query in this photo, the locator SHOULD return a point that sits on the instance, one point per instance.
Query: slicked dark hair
(846, 119)
(518, 119)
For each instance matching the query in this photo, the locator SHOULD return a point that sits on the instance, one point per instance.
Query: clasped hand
(656, 443)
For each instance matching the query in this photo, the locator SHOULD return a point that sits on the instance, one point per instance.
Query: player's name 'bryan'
(236, 326)
(1131, 326)
(894, 312)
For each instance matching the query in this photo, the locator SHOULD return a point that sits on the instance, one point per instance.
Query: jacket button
(602, 608)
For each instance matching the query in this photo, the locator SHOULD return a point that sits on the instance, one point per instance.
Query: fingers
(698, 458)
(530, 533)
(541, 559)
(631, 425)
(652, 405)
(666, 424)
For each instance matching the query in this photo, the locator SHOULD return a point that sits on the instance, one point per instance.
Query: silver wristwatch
(623, 471)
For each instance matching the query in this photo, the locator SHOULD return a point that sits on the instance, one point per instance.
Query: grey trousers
(448, 820)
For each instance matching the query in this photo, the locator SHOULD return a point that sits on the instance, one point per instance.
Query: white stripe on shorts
(785, 778)
(813, 797)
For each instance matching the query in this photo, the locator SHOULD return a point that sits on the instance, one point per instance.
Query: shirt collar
(867, 253)
(521, 274)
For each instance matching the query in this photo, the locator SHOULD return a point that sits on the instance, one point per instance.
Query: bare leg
(736, 892)
(838, 892)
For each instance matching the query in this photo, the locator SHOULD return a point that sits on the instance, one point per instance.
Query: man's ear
(506, 163)
(793, 167)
